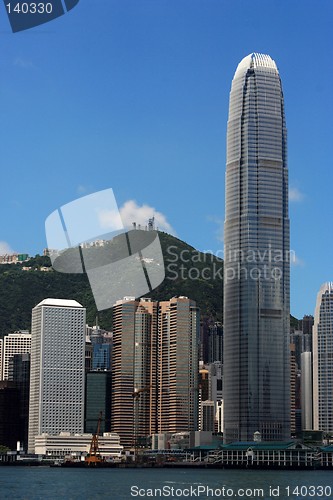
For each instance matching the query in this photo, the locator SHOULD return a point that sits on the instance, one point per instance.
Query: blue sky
(133, 95)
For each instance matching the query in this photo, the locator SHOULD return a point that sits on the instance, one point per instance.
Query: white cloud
(5, 248)
(81, 189)
(85, 189)
(296, 261)
(132, 212)
(23, 63)
(219, 233)
(109, 220)
(295, 194)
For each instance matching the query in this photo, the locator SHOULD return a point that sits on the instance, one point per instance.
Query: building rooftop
(59, 303)
(256, 60)
(327, 448)
(259, 445)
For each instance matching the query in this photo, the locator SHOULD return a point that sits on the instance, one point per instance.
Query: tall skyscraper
(256, 273)
(57, 368)
(323, 360)
(134, 382)
(178, 365)
(154, 367)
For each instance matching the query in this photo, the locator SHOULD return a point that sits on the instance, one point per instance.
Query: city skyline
(256, 290)
(140, 355)
(158, 103)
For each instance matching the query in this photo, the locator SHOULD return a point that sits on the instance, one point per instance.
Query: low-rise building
(184, 440)
(66, 444)
(259, 454)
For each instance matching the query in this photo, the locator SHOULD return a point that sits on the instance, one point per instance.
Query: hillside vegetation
(188, 272)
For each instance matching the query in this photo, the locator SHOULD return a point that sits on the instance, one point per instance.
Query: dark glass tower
(256, 275)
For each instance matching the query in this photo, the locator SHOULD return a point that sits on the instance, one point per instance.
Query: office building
(306, 391)
(323, 360)
(76, 446)
(215, 381)
(293, 380)
(203, 383)
(19, 373)
(207, 416)
(102, 348)
(88, 354)
(178, 365)
(9, 414)
(154, 368)
(210, 392)
(256, 266)
(306, 325)
(102, 356)
(134, 374)
(14, 343)
(57, 368)
(98, 401)
(302, 342)
(215, 343)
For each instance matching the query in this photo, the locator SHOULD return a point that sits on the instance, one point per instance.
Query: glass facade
(98, 400)
(101, 357)
(256, 273)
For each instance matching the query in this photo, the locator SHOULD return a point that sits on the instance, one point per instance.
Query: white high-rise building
(14, 343)
(306, 390)
(57, 368)
(323, 360)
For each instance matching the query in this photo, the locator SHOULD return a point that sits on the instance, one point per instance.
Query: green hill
(188, 272)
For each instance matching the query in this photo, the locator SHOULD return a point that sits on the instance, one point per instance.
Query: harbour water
(32, 483)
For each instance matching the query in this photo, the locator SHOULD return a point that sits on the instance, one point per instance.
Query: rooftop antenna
(151, 224)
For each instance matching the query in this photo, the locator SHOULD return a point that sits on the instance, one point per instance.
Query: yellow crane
(94, 457)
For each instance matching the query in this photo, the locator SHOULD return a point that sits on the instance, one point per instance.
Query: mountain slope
(188, 272)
